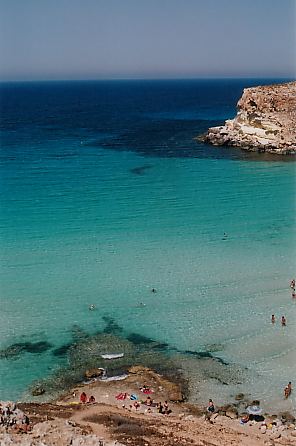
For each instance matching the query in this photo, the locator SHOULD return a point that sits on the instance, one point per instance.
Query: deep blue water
(153, 118)
(105, 193)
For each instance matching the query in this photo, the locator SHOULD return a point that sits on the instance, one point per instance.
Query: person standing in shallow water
(283, 321)
(288, 390)
(273, 319)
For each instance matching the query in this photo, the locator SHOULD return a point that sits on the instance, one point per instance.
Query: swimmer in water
(153, 290)
(92, 307)
(292, 284)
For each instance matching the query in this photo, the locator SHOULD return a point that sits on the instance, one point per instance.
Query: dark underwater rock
(141, 169)
(61, 351)
(112, 326)
(18, 348)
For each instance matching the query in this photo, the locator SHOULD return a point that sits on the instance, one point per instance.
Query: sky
(114, 39)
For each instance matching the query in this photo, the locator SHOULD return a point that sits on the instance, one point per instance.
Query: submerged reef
(86, 353)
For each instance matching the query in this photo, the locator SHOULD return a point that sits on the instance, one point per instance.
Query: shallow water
(105, 194)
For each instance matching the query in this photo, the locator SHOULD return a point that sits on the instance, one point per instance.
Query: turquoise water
(85, 222)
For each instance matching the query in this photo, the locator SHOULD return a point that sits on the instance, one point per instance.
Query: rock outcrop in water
(265, 121)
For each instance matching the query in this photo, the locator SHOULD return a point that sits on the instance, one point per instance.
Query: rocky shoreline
(110, 421)
(265, 121)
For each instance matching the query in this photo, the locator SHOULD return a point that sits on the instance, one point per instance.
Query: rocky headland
(265, 121)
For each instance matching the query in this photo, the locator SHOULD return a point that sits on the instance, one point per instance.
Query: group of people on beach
(160, 407)
(136, 403)
(148, 404)
(84, 398)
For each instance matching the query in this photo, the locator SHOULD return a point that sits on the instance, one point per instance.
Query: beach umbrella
(254, 410)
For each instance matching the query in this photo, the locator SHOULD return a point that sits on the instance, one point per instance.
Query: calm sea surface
(105, 194)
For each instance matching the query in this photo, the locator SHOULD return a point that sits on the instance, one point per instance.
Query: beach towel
(133, 397)
(121, 396)
(147, 391)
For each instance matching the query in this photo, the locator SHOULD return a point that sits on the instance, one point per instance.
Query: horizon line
(120, 79)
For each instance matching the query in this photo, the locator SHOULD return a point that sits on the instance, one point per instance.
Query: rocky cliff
(265, 121)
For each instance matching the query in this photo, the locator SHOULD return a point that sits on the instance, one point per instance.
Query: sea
(122, 232)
